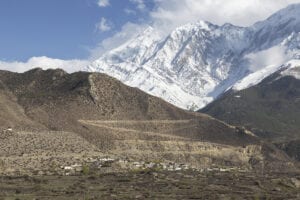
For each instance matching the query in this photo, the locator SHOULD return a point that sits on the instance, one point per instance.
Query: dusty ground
(44, 152)
(30, 152)
(154, 185)
(60, 119)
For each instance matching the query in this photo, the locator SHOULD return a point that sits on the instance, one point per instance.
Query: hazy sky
(34, 31)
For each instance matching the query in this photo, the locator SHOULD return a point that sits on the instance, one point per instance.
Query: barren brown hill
(57, 100)
(122, 121)
(270, 109)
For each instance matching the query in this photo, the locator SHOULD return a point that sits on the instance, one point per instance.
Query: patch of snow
(293, 69)
(197, 62)
(256, 77)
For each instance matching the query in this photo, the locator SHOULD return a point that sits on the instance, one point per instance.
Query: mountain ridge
(116, 120)
(199, 61)
(269, 109)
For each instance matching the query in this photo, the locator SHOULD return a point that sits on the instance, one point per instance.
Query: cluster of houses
(89, 164)
(106, 162)
(103, 164)
(169, 166)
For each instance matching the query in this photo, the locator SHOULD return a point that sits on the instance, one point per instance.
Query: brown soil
(96, 111)
(154, 185)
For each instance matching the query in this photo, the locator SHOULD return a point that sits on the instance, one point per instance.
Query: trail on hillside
(117, 125)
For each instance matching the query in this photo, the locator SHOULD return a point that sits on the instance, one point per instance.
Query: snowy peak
(287, 18)
(197, 62)
(194, 27)
(287, 14)
(277, 27)
(137, 47)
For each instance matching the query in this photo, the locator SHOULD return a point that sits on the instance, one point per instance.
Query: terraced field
(23, 152)
(173, 140)
(136, 129)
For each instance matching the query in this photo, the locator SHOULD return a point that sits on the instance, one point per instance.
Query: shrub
(85, 170)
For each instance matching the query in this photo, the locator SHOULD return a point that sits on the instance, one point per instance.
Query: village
(107, 164)
(45, 153)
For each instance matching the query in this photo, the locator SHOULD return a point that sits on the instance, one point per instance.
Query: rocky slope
(197, 62)
(269, 109)
(115, 120)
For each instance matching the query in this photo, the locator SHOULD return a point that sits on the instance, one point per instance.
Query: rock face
(52, 108)
(195, 63)
(269, 109)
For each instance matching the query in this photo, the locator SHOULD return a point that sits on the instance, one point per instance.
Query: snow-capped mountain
(197, 62)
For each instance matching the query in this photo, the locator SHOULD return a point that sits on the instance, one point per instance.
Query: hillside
(51, 109)
(270, 109)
